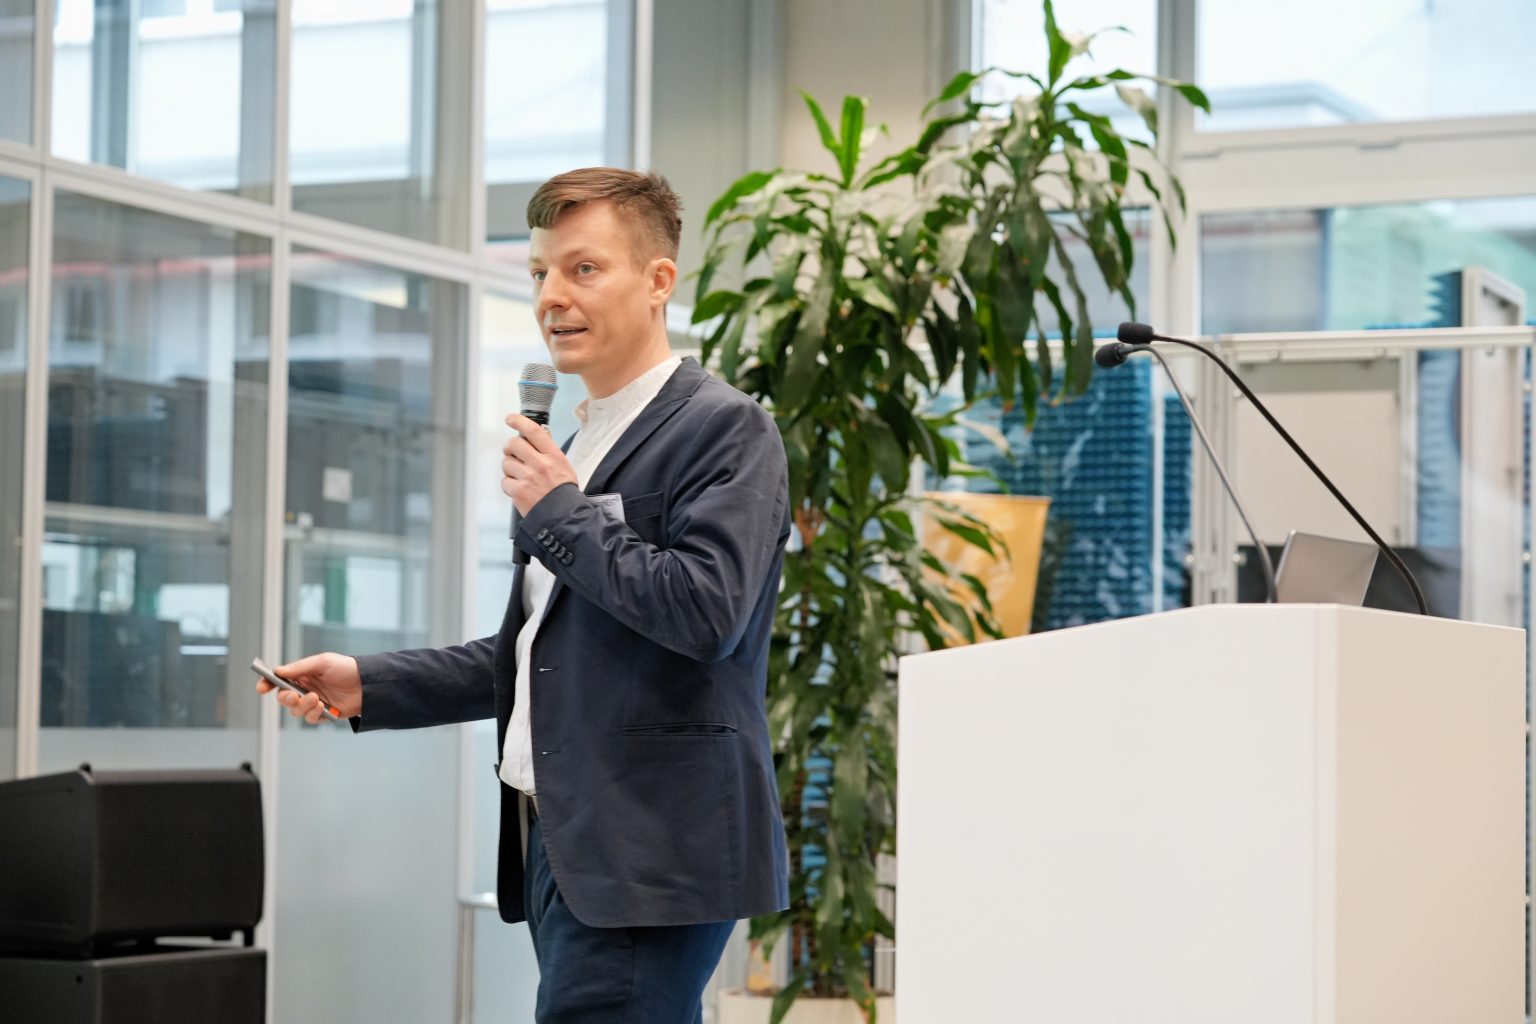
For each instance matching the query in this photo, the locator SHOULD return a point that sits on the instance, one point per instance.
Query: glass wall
(177, 90)
(157, 392)
(372, 548)
(375, 438)
(1433, 460)
(15, 238)
(378, 131)
(1323, 63)
(545, 87)
(1358, 267)
(16, 28)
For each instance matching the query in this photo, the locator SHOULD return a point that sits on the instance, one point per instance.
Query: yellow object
(1010, 578)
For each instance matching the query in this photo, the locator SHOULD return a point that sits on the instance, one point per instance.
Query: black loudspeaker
(169, 986)
(88, 859)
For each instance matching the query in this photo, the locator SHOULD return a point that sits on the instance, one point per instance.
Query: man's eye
(538, 275)
(586, 268)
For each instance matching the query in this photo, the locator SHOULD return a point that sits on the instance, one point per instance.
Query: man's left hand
(532, 464)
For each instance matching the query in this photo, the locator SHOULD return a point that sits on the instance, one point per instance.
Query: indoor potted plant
(861, 293)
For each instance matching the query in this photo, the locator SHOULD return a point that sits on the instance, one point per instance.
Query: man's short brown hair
(644, 198)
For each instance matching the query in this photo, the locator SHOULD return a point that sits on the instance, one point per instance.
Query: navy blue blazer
(655, 770)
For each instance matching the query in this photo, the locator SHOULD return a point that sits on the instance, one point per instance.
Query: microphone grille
(536, 387)
(1133, 333)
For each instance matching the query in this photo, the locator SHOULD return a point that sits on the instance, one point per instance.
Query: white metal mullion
(42, 77)
(644, 84)
(380, 247)
(272, 582)
(34, 481)
(119, 186)
(765, 77)
(20, 167)
(477, 185)
(18, 152)
(282, 98)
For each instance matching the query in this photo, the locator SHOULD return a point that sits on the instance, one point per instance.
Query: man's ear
(663, 281)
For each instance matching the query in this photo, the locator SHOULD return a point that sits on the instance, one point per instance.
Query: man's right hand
(331, 678)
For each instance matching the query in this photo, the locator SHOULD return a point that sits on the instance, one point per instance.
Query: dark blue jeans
(612, 975)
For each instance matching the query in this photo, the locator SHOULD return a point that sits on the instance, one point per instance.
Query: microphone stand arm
(1270, 594)
(1386, 549)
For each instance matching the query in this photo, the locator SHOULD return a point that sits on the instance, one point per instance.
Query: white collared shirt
(603, 422)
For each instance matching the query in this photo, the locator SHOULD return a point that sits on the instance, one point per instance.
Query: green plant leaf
(957, 87)
(853, 137)
(744, 186)
(1057, 46)
(715, 303)
(787, 995)
(829, 140)
(1138, 100)
(968, 533)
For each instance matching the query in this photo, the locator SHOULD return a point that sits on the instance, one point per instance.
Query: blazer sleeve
(725, 523)
(430, 686)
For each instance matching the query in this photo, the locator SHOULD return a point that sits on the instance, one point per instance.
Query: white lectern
(1234, 814)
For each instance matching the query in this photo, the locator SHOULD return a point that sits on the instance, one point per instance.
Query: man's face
(593, 295)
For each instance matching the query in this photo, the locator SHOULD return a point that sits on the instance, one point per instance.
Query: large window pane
(1358, 267)
(546, 92)
(178, 91)
(155, 487)
(1012, 35)
(16, 27)
(378, 134)
(373, 548)
(15, 234)
(1433, 461)
(1320, 62)
(375, 437)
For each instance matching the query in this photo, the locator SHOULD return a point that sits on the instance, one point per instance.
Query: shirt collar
(595, 412)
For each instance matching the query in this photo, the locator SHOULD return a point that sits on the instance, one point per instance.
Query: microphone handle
(1397, 563)
(519, 556)
(1270, 594)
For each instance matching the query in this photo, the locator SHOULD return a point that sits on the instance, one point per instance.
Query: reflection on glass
(1102, 463)
(155, 479)
(1432, 461)
(510, 338)
(16, 27)
(177, 91)
(1357, 267)
(1012, 35)
(15, 235)
(374, 436)
(546, 87)
(1322, 62)
(377, 133)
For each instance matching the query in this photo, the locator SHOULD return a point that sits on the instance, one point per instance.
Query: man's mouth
(566, 332)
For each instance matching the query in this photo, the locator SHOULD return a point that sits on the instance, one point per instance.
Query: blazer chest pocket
(643, 515)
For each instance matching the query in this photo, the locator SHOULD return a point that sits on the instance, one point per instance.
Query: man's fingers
(531, 433)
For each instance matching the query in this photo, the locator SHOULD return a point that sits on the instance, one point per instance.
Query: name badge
(611, 504)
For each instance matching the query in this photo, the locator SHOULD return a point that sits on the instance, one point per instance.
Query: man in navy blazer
(640, 815)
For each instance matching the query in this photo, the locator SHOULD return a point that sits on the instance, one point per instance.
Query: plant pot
(738, 1007)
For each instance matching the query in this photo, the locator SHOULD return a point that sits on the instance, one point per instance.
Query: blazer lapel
(685, 380)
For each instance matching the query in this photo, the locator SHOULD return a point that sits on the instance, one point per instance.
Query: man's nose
(552, 294)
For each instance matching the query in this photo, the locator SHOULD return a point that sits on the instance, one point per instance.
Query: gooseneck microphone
(1142, 335)
(536, 393)
(1116, 353)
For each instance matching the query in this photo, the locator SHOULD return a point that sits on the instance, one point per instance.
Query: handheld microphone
(1139, 335)
(1115, 354)
(536, 391)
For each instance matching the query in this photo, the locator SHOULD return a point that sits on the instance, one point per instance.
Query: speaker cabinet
(91, 858)
(215, 985)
